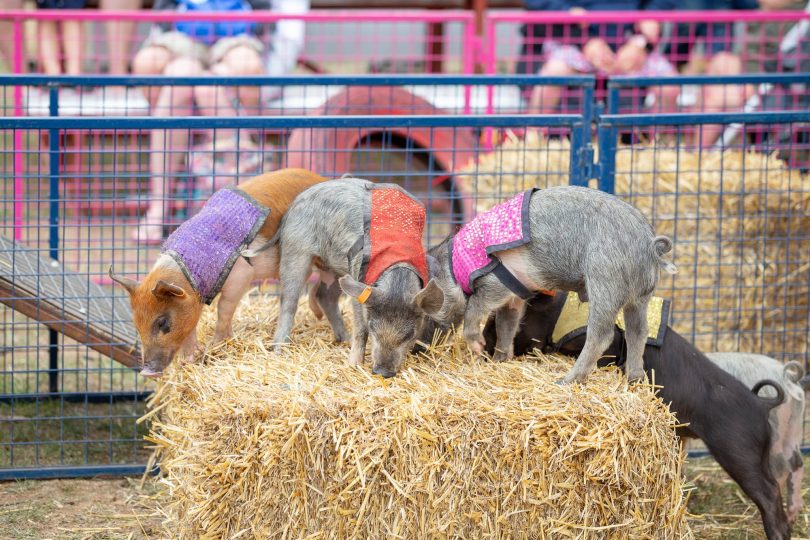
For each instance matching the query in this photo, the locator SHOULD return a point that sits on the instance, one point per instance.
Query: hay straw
(739, 221)
(257, 445)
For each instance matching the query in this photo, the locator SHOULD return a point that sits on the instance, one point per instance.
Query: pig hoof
(355, 359)
(476, 346)
(637, 376)
(572, 376)
(501, 356)
(341, 337)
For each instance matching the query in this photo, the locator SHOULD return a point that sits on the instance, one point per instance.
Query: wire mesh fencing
(69, 396)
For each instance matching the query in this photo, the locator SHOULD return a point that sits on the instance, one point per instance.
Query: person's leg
(546, 99)
(239, 60)
(119, 35)
(151, 60)
(167, 148)
(49, 50)
(719, 98)
(7, 34)
(72, 45)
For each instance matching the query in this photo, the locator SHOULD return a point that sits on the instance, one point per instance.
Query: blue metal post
(53, 223)
(607, 158)
(578, 155)
(613, 99)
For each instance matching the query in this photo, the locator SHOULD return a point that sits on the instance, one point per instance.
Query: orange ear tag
(363, 296)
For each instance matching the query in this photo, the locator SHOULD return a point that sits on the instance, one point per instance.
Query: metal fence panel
(65, 407)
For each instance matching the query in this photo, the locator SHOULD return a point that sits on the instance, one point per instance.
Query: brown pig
(201, 259)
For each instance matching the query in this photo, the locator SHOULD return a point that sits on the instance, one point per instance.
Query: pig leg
(507, 321)
(235, 287)
(189, 347)
(744, 463)
(327, 297)
(359, 335)
(793, 486)
(313, 302)
(295, 269)
(601, 324)
(635, 319)
(489, 294)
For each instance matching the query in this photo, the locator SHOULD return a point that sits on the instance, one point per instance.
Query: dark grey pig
(569, 238)
(370, 236)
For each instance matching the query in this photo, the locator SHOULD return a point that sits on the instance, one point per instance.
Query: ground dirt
(121, 508)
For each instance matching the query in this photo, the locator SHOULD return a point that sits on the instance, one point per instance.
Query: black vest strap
(511, 282)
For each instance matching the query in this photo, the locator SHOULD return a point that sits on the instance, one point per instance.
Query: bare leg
(49, 50)
(359, 335)
(167, 149)
(72, 43)
(507, 321)
(119, 35)
(635, 319)
(545, 99)
(7, 46)
(151, 60)
(720, 98)
(222, 101)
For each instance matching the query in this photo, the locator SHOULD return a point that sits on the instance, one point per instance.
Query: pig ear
(430, 299)
(164, 289)
(129, 284)
(356, 289)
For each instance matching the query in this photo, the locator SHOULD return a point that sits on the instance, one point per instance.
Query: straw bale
(740, 223)
(255, 445)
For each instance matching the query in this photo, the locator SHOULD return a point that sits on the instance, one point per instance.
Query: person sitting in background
(50, 44)
(719, 57)
(231, 48)
(608, 49)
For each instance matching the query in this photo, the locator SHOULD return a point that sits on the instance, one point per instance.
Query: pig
(571, 238)
(201, 259)
(787, 420)
(370, 236)
(709, 403)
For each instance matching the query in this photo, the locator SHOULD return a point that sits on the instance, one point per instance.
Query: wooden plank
(67, 302)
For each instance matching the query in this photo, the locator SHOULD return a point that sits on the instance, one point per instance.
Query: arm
(288, 38)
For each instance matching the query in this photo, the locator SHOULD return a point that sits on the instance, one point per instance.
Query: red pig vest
(393, 225)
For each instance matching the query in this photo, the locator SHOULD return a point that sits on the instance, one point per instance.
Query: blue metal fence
(75, 188)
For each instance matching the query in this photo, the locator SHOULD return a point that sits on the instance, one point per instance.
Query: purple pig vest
(503, 227)
(207, 245)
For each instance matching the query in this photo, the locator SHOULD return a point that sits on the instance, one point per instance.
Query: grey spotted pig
(567, 238)
(370, 236)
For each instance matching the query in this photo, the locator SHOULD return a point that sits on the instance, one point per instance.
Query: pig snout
(149, 373)
(154, 364)
(383, 372)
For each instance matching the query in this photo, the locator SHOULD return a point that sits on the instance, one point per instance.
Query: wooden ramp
(67, 302)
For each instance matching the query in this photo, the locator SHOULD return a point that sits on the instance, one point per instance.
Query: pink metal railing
(754, 37)
(345, 41)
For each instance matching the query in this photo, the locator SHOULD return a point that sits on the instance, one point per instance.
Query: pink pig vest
(503, 227)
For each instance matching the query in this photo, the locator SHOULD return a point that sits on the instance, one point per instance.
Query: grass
(54, 432)
(722, 511)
